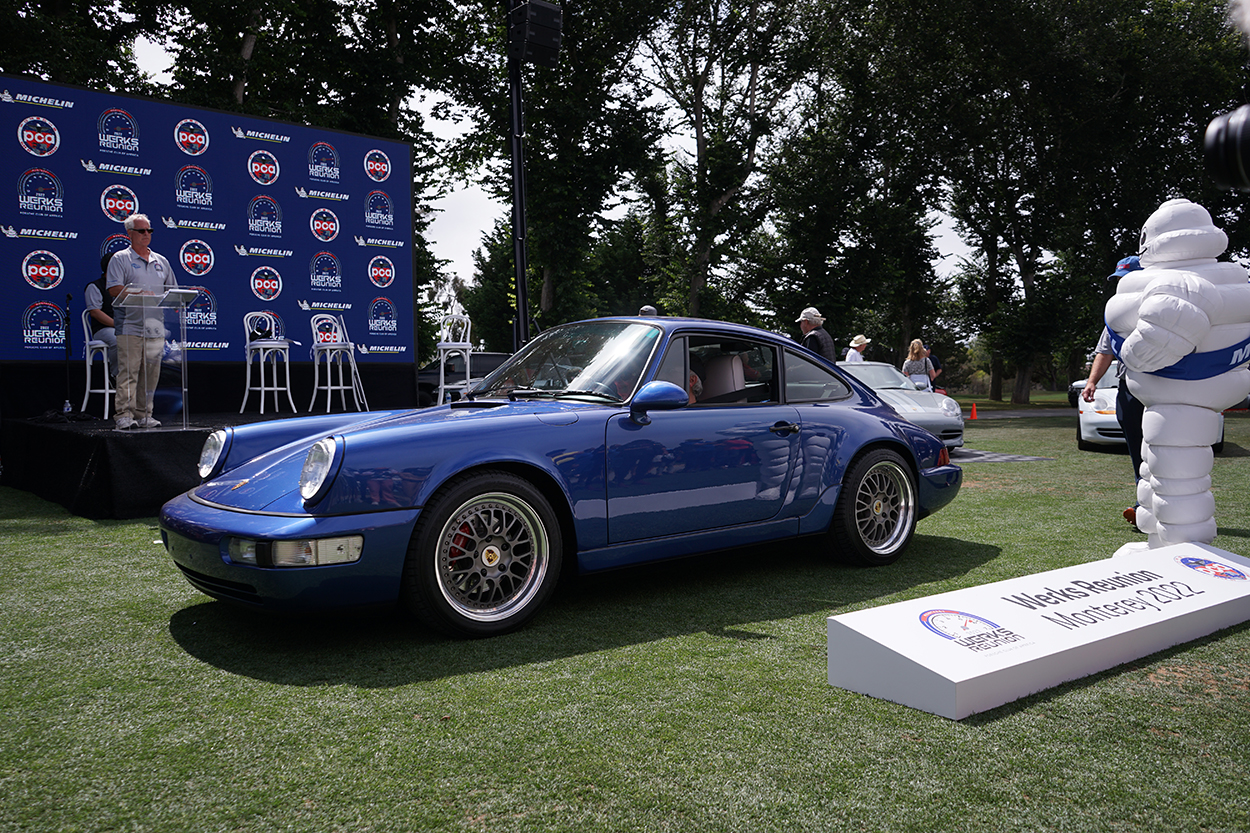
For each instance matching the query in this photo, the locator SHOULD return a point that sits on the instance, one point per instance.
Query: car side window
(807, 381)
(732, 371)
(675, 366)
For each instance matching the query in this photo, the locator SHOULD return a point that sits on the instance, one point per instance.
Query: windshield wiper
(518, 392)
(611, 397)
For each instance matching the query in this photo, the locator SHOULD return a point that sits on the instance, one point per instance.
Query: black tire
(877, 511)
(1216, 448)
(484, 557)
(1083, 445)
(424, 400)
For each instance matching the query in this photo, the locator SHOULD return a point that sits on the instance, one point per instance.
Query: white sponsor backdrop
(959, 653)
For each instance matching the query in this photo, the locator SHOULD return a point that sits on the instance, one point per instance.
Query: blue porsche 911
(601, 444)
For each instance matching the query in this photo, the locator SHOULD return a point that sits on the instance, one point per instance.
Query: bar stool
(264, 342)
(93, 347)
(331, 342)
(453, 340)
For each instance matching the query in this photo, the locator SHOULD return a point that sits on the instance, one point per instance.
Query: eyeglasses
(141, 230)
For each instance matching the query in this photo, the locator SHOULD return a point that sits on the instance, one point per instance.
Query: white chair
(453, 340)
(331, 342)
(263, 341)
(93, 347)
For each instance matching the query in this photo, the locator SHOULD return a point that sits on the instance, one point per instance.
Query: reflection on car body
(585, 447)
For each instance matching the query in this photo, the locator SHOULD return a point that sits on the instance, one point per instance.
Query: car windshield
(878, 376)
(597, 359)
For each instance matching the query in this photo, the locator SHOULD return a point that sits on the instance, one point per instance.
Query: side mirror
(657, 396)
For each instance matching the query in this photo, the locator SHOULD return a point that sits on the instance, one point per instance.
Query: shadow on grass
(720, 594)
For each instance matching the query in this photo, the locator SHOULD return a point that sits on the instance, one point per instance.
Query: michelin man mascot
(1181, 328)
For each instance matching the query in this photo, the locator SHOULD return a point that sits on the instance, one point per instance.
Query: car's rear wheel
(877, 511)
(484, 557)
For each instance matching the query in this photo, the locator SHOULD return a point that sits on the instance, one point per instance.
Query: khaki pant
(139, 370)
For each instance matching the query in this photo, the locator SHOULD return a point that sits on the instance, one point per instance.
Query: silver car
(939, 415)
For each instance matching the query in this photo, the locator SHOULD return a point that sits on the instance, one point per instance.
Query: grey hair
(129, 222)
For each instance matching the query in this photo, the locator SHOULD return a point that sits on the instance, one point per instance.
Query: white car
(1097, 426)
(939, 415)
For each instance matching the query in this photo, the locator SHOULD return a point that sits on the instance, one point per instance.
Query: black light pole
(534, 28)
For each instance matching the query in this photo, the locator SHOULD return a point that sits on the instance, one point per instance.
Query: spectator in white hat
(856, 351)
(815, 337)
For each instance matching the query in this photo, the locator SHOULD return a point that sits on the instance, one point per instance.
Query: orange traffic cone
(974, 411)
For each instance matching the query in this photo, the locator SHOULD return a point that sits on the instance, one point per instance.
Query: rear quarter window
(807, 381)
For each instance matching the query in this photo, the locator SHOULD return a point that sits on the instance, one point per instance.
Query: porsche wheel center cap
(491, 555)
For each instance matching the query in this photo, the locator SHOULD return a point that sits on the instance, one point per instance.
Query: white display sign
(963, 652)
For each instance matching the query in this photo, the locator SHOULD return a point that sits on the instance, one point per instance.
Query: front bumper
(197, 536)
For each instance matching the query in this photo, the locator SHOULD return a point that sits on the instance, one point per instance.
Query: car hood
(911, 401)
(407, 441)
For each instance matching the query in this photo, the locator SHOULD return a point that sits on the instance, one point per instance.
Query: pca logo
(968, 631)
(324, 224)
(193, 187)
(381, 272)
(1211, 568)
(325, 272)
(196, 257)
(38, 136)
(202, 312)
(264, 217)
(43, 325)
(42, 270)
(263, 167)
(118, 202)
(323, 162)
(382, 317)
(377, 165)
(40, 192)
(266, 283)
(379, 211)
(118, 131)
(191, 137)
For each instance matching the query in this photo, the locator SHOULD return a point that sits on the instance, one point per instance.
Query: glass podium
(164, 317)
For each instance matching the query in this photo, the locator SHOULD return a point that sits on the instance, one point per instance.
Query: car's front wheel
(877, 511)
(484, 557)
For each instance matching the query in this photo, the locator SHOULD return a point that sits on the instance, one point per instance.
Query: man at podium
(137, 278)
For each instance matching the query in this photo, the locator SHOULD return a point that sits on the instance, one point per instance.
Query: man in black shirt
(811, 322)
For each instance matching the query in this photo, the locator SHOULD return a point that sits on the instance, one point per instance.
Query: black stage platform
(96, 471)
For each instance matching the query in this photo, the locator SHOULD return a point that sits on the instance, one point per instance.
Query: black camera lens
(1227, 149)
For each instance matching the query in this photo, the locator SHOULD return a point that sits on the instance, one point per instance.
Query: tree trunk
(249, 45)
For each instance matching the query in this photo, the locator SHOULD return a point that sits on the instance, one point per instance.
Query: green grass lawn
(689, 696)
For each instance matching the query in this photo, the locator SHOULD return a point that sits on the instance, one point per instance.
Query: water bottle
(67, 408)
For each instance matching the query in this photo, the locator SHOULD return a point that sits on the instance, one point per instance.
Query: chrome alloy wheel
(493, 554)
(885, 507)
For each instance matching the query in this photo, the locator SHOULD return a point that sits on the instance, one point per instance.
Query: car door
(724, 461)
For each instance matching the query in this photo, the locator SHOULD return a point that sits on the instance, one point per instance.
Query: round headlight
(318, 466)
(211, 454)
(950, 407)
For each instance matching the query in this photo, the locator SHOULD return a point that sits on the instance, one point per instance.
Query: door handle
(783, 428)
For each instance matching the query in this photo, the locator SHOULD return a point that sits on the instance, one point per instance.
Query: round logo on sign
(191, 137)
(323, 161)
(193, 178)
(377, 165)
(324, 224)
(381, 272)
(38, 136)
(382, 317)
(266, 283)
(378, 209)
(196, 257)
(118, 130)
(325, 271)
(955, 624)
(1215, 569)
(114, 243)
(263, 167)
(42, 270)
(44, 319)
(40, 190)
(118, 202)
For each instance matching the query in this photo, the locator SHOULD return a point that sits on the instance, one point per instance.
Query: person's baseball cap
(810, 314)
(1126, 265)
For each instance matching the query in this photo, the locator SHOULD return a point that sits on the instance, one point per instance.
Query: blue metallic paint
(634, 492)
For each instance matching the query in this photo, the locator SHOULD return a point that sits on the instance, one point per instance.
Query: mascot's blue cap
(1126, 265)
